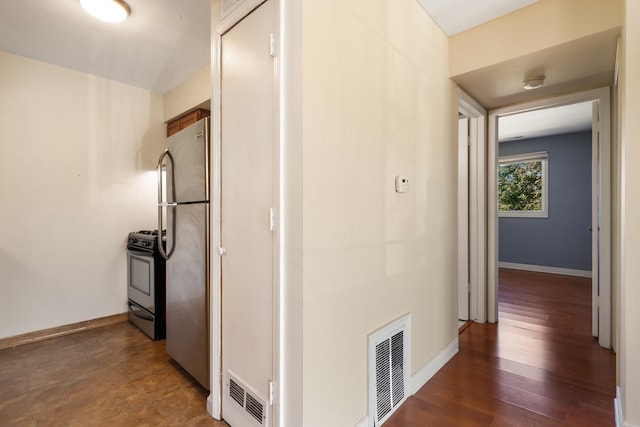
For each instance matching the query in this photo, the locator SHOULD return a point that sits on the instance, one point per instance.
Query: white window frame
(543, 157)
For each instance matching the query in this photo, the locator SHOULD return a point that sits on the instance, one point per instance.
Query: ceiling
(585, 63)
(161, 44)
(165, 41)
(581, 64)
(550, 121)
(446, 13)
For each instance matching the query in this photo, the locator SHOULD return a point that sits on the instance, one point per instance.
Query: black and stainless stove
(146, 283)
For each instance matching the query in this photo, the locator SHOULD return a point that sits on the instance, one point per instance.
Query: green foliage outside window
(520, 186)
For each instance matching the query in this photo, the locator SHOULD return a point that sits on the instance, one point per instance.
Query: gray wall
(563, 239)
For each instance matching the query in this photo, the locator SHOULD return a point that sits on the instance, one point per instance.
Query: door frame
(472, 209)
(601, 209)
(226, 21)
(464, 273)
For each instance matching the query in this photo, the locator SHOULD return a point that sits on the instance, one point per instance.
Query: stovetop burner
(144, 239)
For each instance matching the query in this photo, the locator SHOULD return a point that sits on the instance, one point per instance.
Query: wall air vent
(249, 403)
(255, 408)
(389, 368)
(236, 392)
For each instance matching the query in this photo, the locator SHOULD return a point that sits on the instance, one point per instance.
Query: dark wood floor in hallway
(539, 366)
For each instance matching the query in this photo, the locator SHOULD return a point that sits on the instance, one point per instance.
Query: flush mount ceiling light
(533, 82)
(107, 10)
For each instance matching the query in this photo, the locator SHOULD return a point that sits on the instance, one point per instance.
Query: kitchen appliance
(183, 196)
(146, 283)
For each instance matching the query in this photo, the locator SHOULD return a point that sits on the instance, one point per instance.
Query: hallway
(539, 366)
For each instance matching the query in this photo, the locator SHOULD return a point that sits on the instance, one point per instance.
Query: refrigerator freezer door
(187, 290)
(189, 150)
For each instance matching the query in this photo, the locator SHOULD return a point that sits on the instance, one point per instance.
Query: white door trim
(464, 273)
(603, 278)
(214, 401)
(475, 258)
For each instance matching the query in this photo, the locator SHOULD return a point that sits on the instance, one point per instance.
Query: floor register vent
(254, 407)
(389, 368)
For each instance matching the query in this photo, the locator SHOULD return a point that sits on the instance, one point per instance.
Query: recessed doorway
(600, 203)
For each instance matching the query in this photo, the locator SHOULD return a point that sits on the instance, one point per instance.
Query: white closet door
(247, 197)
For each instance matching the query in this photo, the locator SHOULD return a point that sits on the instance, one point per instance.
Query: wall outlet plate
(402, 184)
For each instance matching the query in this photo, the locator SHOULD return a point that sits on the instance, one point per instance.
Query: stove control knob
(133, 240)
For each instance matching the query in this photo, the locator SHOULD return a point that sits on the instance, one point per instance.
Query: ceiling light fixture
(107, 10)
(533, 82)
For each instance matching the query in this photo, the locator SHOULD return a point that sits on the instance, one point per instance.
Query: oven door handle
(135, 312)
(140, 252)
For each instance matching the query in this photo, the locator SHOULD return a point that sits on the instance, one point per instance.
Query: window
(522, 185)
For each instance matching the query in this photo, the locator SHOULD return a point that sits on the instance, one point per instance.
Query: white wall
(377, 102)
(76, 160)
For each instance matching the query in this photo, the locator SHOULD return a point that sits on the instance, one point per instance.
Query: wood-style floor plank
(109, 376)
(539, 366)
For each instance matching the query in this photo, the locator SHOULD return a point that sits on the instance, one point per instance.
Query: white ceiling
(162, 43)
(549, 121)
(455, 16)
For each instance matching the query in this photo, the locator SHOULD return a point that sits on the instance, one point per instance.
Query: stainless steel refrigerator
(183, 209)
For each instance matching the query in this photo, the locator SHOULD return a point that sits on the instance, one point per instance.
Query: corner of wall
(437, 362)
(424, 374)
(518, 33)
(194, 92)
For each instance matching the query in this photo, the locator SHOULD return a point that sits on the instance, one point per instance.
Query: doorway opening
(544, 206)
(599, 235)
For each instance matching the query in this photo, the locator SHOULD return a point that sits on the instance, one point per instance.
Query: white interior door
(463, 219)
(600, 231)
(247, 176)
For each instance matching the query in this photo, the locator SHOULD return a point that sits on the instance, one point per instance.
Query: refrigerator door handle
(166, 254)
(162, 204)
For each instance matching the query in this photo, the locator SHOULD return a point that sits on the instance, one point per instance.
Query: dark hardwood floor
(109, 376)
(539, 366)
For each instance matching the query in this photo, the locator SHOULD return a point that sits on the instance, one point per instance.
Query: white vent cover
(249, 404)
(389, 367)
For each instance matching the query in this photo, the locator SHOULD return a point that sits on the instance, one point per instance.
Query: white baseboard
(425, 373)
(617, 408)
(363, 422)
(617, 405)
(213, 407)
(545, 269)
